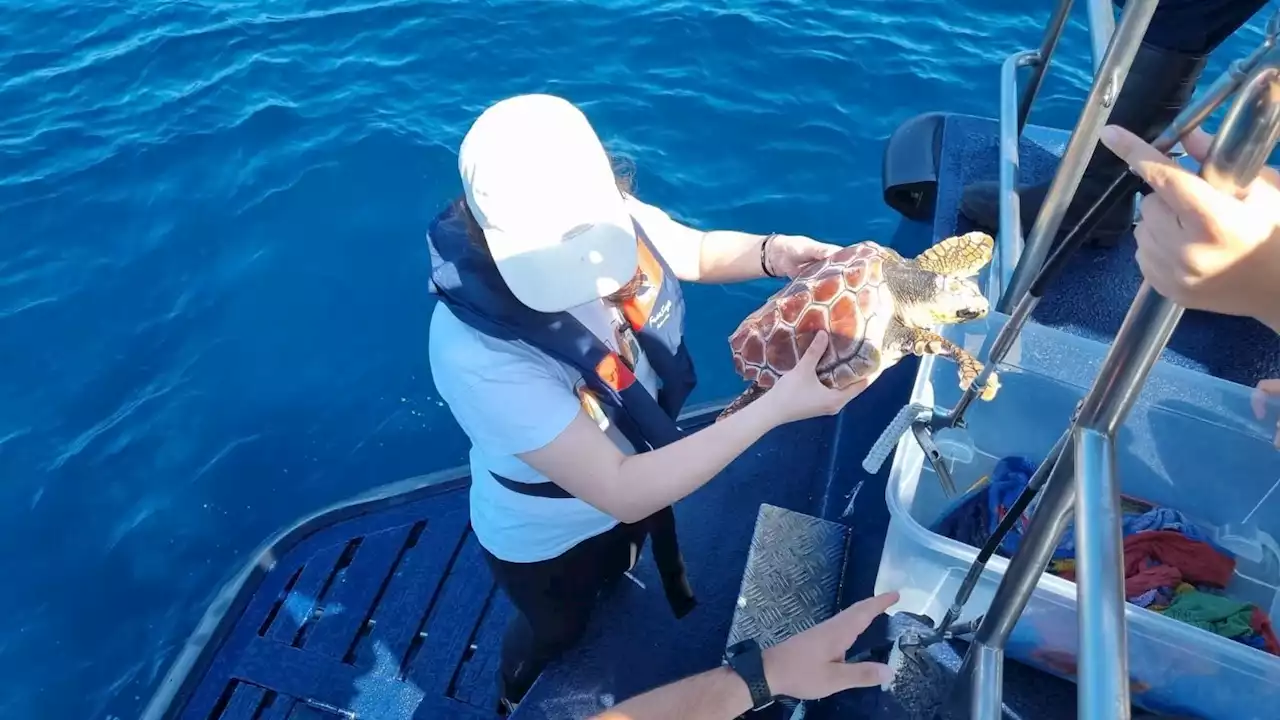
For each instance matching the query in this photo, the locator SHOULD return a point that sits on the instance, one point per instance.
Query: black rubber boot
(1159, 85)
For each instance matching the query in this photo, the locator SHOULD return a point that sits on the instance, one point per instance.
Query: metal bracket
(924, 436)
(955, 632)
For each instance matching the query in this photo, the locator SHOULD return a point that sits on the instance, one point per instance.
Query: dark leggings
(1197, 27)
(554, 600)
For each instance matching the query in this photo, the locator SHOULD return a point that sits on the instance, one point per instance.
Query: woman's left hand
(788, 254)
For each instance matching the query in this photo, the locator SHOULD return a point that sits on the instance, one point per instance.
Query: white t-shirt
(510, 398)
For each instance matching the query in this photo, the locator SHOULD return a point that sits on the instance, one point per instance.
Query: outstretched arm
(583, 461)
(806, 666)
(731, 256)
(718, 693)
(725, 256)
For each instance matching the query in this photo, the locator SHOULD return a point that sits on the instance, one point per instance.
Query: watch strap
(747, 659)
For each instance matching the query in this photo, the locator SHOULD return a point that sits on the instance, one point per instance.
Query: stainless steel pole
(1103, 685)
(1019, 582)
(1049, 43)
(1009, 248)
(1102, 26)
(1084, 139)
(989, 675)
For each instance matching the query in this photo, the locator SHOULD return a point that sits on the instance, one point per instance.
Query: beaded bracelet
(764, 247)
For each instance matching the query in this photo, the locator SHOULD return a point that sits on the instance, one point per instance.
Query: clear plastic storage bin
(1192, 443)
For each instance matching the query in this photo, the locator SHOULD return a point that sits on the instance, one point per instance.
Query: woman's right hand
(799, 395)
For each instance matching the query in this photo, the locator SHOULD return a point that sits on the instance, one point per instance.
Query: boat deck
(392, 612)
(387, 614)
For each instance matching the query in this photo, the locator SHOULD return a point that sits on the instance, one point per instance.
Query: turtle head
(945, 293)
(954, 300)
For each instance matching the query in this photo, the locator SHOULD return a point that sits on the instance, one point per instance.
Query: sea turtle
(877, 307)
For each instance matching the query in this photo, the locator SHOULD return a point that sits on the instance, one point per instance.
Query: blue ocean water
(213, 307)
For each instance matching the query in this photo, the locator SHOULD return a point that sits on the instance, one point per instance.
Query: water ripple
(212, 316)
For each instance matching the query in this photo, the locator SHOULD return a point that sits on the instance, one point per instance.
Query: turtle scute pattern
(845, 295)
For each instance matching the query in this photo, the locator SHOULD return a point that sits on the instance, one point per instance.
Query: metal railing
(1014, 110)
(1078, 475)
(1110, 75)
(1190, 118)
(1102, 26)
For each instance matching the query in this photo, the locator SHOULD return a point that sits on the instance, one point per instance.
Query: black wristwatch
(746, 659)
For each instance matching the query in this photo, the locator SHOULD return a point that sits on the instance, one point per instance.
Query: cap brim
(560, 275)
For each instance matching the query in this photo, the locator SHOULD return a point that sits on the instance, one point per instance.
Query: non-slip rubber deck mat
(391, 615)
(394, 615)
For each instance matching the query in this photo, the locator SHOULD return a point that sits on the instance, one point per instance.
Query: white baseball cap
(540, 184)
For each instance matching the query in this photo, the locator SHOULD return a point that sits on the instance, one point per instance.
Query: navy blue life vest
(468, 282)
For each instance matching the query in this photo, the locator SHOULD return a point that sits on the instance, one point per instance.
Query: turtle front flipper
(919, 341)
(748, 396)
(959, 255)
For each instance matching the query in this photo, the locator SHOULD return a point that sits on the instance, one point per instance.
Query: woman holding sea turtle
(558, 346)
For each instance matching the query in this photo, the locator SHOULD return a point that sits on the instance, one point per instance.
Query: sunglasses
(628, 291)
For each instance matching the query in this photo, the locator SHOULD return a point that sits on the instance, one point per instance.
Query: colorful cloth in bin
(1010, 477)
(1223, 616)
(1155, 559)
(1171, 564)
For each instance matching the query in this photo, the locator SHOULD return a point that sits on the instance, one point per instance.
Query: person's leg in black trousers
(1161, 81)
(554, 600)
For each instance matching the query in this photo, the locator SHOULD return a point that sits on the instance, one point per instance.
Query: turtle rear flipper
(959, 255)
(748, 396)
